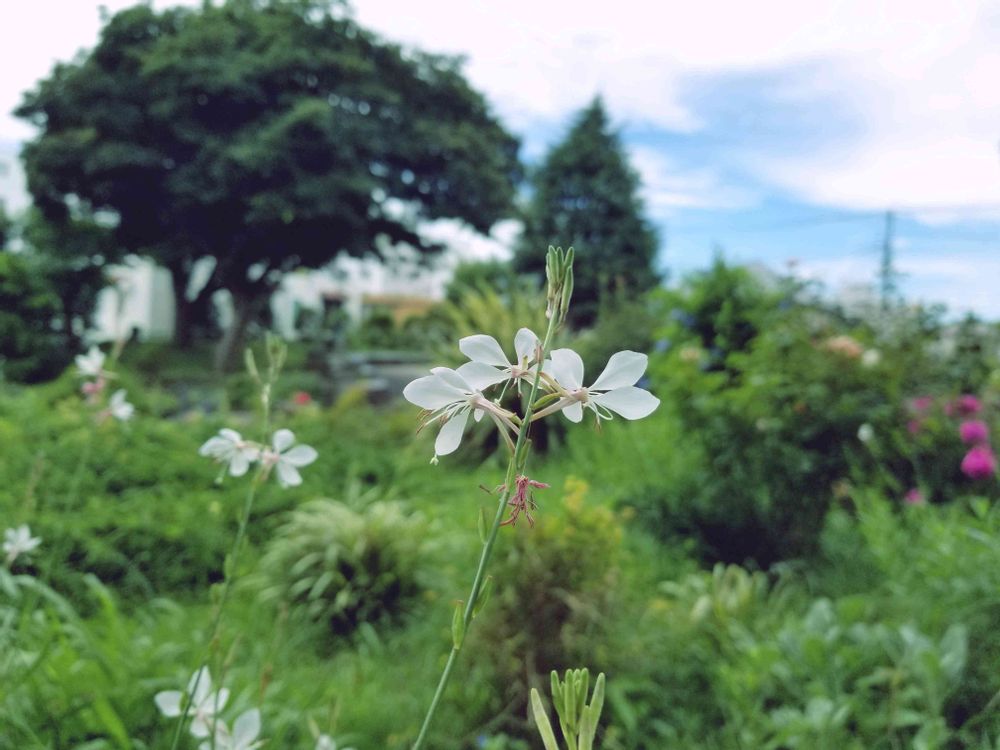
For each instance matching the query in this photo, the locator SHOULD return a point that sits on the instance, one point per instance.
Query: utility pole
(887, 273)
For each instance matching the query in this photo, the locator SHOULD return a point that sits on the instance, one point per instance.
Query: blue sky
(774, 130)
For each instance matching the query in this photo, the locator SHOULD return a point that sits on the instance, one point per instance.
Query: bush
(555, 584)
(345, 567)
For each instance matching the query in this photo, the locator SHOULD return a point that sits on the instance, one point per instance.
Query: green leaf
(542, 721)
(458, 626)
(484, 597)
(481, 523)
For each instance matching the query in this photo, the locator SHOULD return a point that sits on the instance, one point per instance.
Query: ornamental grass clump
(342, 566)
(548, 381)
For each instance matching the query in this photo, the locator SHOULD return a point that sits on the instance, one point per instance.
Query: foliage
(266, 136)
(344, 566)
(585, 196)
(71, 254)
(30, 349)
(482, 276)
(559, 580)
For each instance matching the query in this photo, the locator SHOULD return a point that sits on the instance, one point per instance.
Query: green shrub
(555, 583)
(345, 567)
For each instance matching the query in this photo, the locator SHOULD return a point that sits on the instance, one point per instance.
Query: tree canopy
(265, 135)
(585, 195)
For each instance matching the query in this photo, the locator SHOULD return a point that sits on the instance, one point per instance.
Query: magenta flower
(922, 404)
(968, 405)
(914, 496)
(974, 432)
(979, 462)
(914, 426)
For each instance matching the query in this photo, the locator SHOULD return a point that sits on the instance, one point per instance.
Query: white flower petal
(231, 435)
(630, 402)
(288, 475)
(450, 377)
(199, 686)
(567, 368)
(169, 703)
(483, 348)
(574, 412)
(480, 376)
(246, 728)
(623, 369)
(300, 455)
(526, 344)
(450, 436)
(283, 440)
(478, 414)
(239, 464)
(431, 392)
(215, 447)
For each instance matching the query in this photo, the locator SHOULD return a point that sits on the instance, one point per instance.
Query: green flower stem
(229, 571)
(484, 558)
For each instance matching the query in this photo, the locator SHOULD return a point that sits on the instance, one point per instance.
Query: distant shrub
(344, 567)
(559, 580)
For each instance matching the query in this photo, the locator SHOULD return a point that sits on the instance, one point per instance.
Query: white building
(142, 299)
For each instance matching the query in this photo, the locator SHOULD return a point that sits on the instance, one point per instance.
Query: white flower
(452, 395)
(229, 447)
(119, 408)
(326, 742)
(90, 365)
(613, 391)
(871, 357)
(485, 349)
(866, 433)
(204, 703)
(287, 460)
(244, 734)
(18, 542)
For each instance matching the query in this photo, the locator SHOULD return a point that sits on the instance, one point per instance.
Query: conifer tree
(585, 195)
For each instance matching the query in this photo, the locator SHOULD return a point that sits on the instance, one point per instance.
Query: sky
(773, 132)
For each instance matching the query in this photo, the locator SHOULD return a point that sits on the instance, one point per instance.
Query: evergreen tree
(585, 195)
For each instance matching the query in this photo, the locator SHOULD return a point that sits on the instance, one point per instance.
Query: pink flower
(922, 404)
(913, 426)
(301, 398)
(979, 462)
(914, 496)
(968, 405)
(973, 432)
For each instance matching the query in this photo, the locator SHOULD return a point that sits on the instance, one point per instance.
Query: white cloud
(921, 74)
(667, 186)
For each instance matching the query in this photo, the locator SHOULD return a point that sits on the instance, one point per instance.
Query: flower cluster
(17, 542)
(282, 455)
(204, 707)
(91, 367)
(450, 397)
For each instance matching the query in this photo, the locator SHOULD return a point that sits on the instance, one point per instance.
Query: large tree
(264, 135)
(585, 195)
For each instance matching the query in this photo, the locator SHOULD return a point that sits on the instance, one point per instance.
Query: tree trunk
(184, 309)
(247, 302)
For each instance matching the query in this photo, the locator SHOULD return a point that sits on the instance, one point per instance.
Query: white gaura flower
(326, 742)
(19, 541)
(452, 395)
(119, 408)
(613, 391)
(244, 734)
(286, 460)
(204, 703)
(90, 365)
(229, 447)
(485, 349)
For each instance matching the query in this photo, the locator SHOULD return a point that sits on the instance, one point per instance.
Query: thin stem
(230, 573)
(484, 558)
